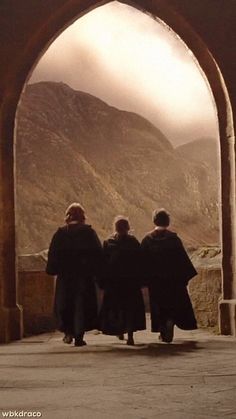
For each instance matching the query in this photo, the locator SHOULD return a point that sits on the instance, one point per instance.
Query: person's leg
(68, 338)
(130, 340)
(79, 340)
(167, 313)
(79, 320)
(67, 325)
(154, 310)
(121, 336)
(167, 331)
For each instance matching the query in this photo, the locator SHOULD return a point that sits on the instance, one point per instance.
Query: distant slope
(202, 150)
(72, 146)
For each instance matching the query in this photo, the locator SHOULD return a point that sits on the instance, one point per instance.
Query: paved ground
(192, 378)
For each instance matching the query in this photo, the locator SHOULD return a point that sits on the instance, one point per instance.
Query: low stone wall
(36, 294)
(206, 288)
(205, 292)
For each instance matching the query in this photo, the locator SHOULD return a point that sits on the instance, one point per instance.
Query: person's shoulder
(149, 235)
(110, 242)
(171, 234)
(58, 235)
(147, 239)
(90, 229)
(82, 228)
(132, 238)
(60, 231)
(132, 242)
(74, 230)
(173, 238)
(111, 239)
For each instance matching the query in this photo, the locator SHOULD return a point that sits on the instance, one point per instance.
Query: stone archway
(59, 15)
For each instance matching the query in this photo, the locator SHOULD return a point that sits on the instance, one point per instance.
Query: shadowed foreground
(192, 378)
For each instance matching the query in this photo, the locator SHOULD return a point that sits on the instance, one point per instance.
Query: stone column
(11, 325)
(227, 306)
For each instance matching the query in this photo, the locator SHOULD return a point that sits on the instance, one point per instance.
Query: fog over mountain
(136, 63)
(204, 150)
(71, 146)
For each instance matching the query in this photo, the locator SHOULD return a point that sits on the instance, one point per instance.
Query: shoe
(79, 342)
(68, 339)
(121, 336)
(130, 342)
(167, 332)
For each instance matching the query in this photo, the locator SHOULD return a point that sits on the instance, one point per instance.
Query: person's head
(75, 213)
(121, 225)
(161, 218)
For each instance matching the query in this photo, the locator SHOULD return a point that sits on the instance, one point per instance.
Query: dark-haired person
(168, 269)
(74, 256)
(123, 309)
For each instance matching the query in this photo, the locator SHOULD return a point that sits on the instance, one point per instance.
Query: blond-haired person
(74, 256)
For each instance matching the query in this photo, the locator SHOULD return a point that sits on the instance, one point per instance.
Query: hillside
(72, 146)
(202, 150)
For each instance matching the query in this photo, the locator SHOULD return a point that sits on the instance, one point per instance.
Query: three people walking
(121, 268)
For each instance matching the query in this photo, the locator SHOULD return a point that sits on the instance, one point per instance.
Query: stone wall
(36, 294)
(205, 292)
(206, 288)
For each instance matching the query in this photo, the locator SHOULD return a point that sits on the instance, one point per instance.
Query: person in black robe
(168, 270)
(74, 256)
(122, 309)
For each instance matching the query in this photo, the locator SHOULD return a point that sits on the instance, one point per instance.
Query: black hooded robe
(74, 256)
(168, 270)
(123, 308)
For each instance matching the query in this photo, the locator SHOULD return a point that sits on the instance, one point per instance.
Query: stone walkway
(192, 378)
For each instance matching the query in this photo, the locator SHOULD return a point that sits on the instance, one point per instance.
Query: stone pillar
(11, 325)
(227, 314)
(227, 306)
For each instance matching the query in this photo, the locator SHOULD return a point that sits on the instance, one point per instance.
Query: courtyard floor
(192, 378)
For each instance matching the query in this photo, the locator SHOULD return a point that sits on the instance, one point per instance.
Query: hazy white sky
(133, 62)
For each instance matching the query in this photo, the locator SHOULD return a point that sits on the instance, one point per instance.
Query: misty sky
(133, 62)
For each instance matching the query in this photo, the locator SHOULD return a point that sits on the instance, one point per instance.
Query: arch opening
(113, 75)
(98, 61)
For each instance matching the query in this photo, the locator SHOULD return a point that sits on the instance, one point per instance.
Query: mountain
(71, 146)
(202, 150)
